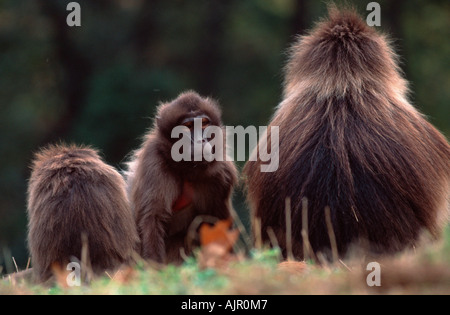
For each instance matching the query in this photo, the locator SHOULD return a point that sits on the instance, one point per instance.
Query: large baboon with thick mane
(351, 143)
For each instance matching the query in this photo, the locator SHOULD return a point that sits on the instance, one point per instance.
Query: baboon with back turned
(350, 142)
(77, 202)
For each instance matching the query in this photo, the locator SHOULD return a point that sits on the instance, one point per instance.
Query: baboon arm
(153, 231)
(153, 195)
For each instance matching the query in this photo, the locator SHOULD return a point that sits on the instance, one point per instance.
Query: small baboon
(371, 169)
(77, 203)
(167, 194)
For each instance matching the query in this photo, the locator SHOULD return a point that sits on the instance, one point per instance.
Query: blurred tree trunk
(209, 58)
(299, 22)
(76, 67)
(145, 30)
(394, 17)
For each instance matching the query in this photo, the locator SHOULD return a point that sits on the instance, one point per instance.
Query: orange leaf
(60, 275)
(124, 275)
(293, 267)
(219, 234)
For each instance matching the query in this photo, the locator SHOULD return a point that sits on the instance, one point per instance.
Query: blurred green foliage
(99, 84)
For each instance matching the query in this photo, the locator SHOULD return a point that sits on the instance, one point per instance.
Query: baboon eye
(205, 122)
(189, 124)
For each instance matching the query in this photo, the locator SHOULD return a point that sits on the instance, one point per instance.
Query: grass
(426, 271)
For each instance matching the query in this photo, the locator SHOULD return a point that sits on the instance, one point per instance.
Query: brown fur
(71, 193)
(155, 181)
(350, 140)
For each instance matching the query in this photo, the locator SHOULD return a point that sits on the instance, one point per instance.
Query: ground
(424, 271)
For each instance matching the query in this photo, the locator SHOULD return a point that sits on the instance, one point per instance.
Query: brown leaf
(60, 275)
(293, 267)
(216, 244)
(124, 275)
(219, 234)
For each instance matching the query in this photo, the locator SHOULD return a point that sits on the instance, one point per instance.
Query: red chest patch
(185, 199)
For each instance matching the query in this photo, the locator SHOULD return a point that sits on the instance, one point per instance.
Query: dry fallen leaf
(123, 275)
(220, 234)
(60, 275)
(216, 244)
(293, 267)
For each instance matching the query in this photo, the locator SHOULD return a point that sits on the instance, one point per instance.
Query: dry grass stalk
(288, 211)
(334, 248)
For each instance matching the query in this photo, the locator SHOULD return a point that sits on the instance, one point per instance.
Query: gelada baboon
(351, 143)
(167, 194)
(76, 202)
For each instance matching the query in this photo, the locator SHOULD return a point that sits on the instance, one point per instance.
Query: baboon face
(193, 115)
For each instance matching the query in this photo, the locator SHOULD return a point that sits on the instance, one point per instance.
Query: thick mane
(342, 54)
(350, 141)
